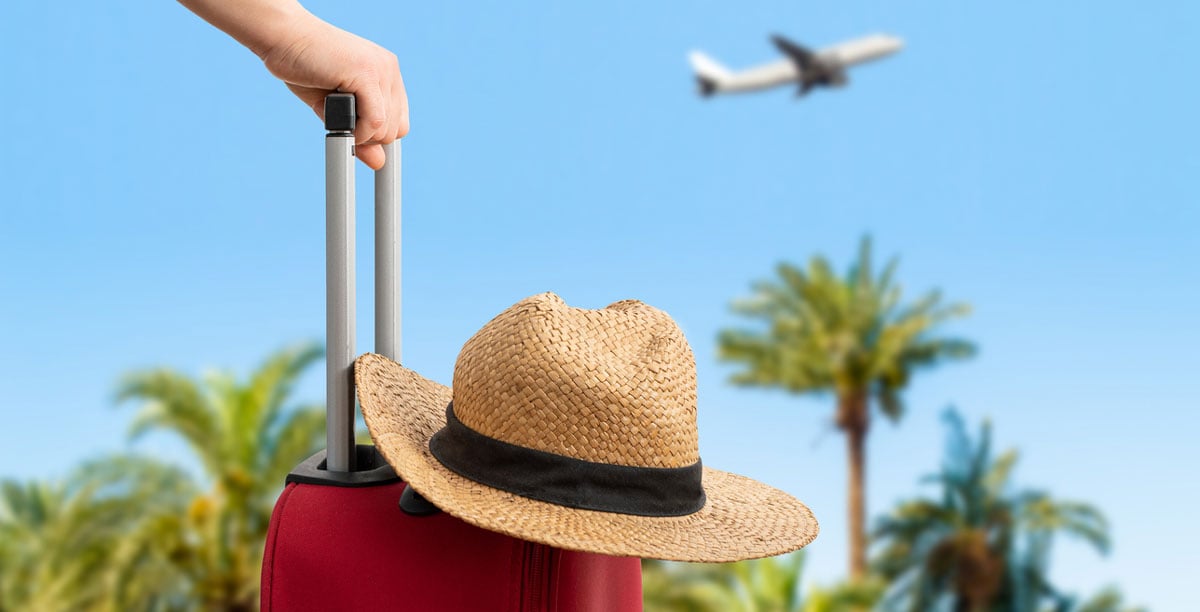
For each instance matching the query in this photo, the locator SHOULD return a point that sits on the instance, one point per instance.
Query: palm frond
(247, 436)
(173, 402)
(1041, 513)
(298, 435)
(69, 553)
(1108, 599)
(981, 540)
(818, 331)
(273, 383)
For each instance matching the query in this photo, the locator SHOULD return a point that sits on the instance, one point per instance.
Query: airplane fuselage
(826, 67)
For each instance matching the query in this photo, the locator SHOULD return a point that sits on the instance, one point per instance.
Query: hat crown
(615, 385)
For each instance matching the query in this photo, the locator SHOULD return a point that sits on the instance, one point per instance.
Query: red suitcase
(339, 538)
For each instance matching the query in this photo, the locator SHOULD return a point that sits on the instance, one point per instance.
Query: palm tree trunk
(852, 419)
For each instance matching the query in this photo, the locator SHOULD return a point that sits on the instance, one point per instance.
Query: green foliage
(848, 334)
(1108, 599)
(981, 546)
(247, 437)
(851, 335)
(100, 541)
(130, 533)
(852, 596)
(759, 585)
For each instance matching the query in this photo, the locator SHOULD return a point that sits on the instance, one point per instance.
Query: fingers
(383, 113)
(371, 154)
(324, 59)
(382, 102)
(312, 97)
(372, 110)
(399, 102)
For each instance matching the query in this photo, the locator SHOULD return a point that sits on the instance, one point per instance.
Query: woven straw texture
(615, 385)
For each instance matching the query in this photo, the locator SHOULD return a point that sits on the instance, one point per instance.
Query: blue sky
(163, 206)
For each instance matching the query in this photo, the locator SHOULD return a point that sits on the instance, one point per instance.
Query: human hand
(315, 58)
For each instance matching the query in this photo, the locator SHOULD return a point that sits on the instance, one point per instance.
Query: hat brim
(742, 518)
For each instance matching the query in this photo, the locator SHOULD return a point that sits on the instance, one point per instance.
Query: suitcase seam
(270, 571)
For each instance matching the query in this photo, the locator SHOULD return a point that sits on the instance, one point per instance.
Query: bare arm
(314, 58)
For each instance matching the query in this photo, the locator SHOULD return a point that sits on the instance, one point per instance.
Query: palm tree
(247, 437)
(83, 545)
(980, 546)
(849, 335)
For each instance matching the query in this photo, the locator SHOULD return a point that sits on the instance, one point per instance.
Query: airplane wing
(862, 49)
(797, 53)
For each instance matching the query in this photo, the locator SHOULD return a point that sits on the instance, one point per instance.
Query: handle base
(372, 470)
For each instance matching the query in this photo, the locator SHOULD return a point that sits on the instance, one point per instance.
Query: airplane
(807, 68)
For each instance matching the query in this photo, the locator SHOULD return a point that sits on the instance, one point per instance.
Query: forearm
(260, 25)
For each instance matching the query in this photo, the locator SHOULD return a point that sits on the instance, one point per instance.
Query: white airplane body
(802, 66)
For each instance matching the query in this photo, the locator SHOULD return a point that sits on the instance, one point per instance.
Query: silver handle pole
(339, 282)
(387, 255)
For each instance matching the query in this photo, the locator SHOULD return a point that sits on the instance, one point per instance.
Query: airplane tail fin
(709, 73)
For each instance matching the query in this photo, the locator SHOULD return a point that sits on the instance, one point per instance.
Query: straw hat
(575, 428)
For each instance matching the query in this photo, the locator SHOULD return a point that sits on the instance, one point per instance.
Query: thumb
(312, 97)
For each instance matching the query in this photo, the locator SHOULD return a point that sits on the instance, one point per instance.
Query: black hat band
(566, 481)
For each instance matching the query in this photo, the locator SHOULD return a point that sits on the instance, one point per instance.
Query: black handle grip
(339, 112)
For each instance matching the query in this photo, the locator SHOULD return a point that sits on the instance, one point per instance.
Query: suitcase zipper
(537, 578)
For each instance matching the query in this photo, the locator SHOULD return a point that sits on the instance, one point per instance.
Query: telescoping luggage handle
(339, 273)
